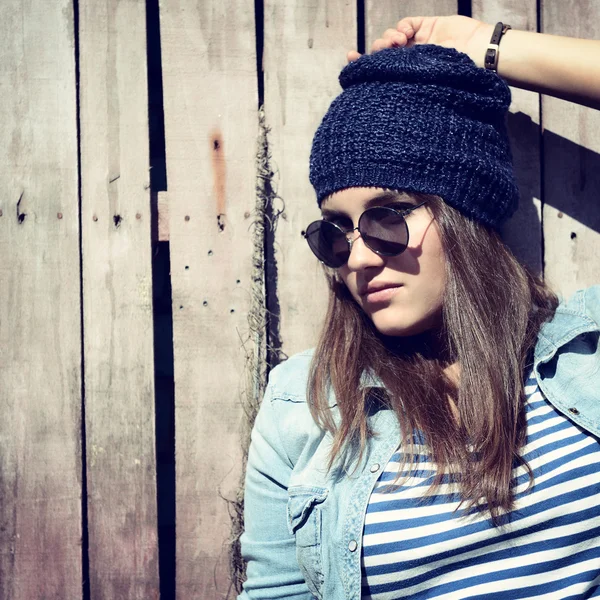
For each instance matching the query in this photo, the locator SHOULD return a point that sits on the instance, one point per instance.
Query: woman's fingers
(409, 25)
(378, 44)
(389, 33)
(392, 38)
(395, 39)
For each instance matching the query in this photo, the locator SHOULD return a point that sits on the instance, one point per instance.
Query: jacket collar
(570, 320)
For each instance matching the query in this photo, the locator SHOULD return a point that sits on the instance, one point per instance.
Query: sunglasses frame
(400, 212)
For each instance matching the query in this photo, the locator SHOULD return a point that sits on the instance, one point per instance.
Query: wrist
(479, 42)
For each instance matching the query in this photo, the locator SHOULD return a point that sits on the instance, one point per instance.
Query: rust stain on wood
(218, 164)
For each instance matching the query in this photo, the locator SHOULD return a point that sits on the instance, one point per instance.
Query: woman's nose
(361, 256)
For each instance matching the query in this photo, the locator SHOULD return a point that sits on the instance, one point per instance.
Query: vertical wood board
(523, 232)
(40, 336)
(117, 307)
(210, 83)
(305, 49)
(571, 147)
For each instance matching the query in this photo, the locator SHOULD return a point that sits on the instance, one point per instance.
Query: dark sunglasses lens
(328, 243)
(384, 231)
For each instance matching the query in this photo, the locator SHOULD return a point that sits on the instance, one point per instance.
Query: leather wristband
(493, 50)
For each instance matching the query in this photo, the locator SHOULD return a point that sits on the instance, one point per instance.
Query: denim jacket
(304, 523)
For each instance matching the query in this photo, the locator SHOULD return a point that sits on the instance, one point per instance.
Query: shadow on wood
(570, 186)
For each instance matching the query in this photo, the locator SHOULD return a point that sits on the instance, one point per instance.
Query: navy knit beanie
(421, 119)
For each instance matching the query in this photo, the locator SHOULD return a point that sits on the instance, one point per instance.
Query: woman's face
(401, 294)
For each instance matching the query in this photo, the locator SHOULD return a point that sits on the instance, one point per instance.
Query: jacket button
(375, 468)
(352, 546)
(574, 411)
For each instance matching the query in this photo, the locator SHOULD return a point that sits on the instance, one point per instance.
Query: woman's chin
(399, 326)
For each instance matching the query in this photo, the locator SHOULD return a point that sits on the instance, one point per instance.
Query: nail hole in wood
(20, 216)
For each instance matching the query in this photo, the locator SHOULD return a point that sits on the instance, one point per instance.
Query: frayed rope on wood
(256, 344)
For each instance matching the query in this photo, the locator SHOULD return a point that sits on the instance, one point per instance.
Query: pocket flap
(301, 501)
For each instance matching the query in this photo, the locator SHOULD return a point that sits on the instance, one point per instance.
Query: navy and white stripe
(417, 546)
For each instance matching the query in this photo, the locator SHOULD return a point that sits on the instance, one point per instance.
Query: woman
(442, 439)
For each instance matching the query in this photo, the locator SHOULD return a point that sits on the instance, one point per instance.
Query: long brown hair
(493, 308)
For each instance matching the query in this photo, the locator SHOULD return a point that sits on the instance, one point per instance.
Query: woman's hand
(462, 33)
(560, 66)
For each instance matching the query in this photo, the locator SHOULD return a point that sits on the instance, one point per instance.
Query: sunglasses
(383, 229)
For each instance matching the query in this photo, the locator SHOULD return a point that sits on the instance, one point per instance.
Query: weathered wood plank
(117, 301)
(305, 48)
(524, 131)
(210, 83)
(571, 150)
(40, 336)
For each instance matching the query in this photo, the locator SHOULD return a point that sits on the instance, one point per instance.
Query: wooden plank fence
(40, 331)
(117, 301)
(571, 167)
(80, 229)
(209, 74)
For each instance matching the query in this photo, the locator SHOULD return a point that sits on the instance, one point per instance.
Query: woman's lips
(381, 295)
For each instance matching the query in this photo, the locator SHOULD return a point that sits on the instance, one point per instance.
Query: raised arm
(564, 67)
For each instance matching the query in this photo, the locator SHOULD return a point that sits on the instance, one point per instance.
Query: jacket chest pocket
(304, 522)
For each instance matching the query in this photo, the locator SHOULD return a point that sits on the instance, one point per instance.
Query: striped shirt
(425, 547)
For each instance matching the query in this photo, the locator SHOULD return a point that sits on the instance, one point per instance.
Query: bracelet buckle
(493, 50)
(491, 57)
